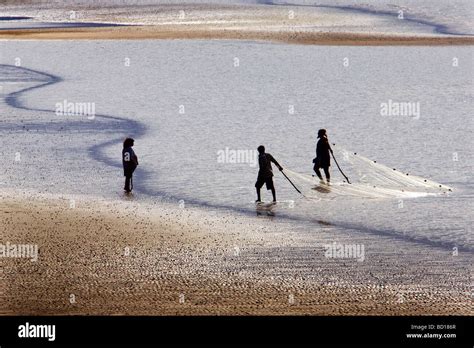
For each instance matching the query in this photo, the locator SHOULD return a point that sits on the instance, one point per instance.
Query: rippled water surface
(188, 103)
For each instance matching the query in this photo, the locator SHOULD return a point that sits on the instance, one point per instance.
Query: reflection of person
(323, 158)
(265, 173)
(130, 163)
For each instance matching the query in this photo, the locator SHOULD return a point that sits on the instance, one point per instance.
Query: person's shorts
(318, 164)
(268, 181)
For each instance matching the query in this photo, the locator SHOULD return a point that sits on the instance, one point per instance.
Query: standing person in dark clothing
(265, 173)
(130, 163)
(323, 158)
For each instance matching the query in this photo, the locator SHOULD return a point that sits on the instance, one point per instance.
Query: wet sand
(124, 258)
(191, 33)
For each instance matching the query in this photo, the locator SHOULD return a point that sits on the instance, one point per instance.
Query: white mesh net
(368, 179)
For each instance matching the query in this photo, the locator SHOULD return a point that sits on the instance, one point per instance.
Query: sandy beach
(115, 258)
(196, 33)
(288, 24)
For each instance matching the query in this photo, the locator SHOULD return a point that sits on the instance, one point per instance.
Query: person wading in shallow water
(265, 173)
(130, 163)
(323, 158)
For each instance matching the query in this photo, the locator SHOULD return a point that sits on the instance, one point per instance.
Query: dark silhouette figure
(130, 163)
(323, 158)
(265, 173)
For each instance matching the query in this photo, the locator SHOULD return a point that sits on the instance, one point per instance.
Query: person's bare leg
(127, 184)
(274, 194)
(318, 173)
(328, 176)
(258, 195)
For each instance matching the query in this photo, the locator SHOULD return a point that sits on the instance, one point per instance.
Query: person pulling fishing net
(323, 158)
(265, 173)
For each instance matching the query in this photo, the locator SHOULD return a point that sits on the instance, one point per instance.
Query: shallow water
(186, 102)
(453, 17)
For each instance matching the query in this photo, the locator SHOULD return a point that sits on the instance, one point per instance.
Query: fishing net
(368, 179)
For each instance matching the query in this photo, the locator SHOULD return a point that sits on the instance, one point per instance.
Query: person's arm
(328, 145)
(134, 158)
(276, 163)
